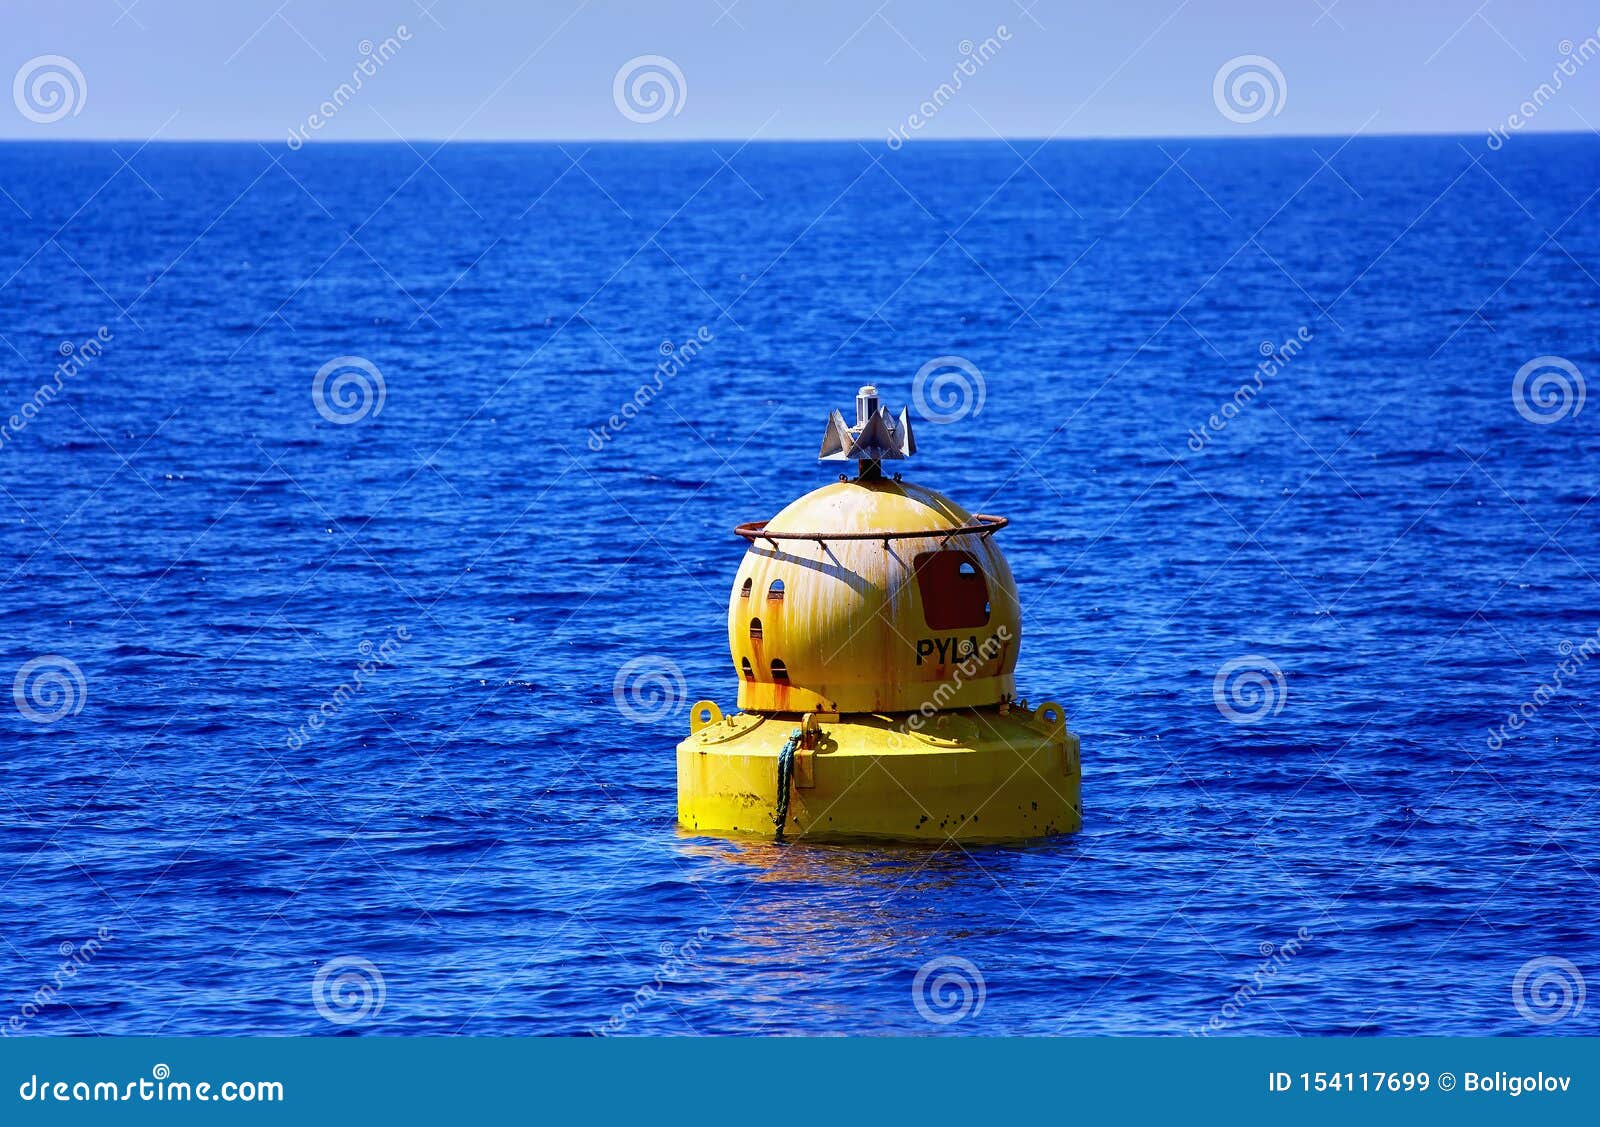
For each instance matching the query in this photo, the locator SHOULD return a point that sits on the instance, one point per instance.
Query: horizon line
(834, 140)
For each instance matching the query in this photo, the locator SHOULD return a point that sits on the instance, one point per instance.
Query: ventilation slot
(744, 666)
(780, 672)
(775, 592)
(755, 630)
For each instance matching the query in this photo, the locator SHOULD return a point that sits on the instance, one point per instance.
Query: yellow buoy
(874, 627)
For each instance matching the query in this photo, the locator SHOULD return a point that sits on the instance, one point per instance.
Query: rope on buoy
(785, 774)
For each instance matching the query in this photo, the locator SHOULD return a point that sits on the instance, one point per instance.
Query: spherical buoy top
(873, 595)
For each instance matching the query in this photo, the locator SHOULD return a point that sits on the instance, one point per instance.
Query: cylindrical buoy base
(966, 775)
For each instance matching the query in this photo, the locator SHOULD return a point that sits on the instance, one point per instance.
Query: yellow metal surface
(703, 712)
(848, 623)
(967, 775)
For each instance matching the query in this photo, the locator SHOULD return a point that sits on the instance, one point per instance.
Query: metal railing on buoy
(987, 525)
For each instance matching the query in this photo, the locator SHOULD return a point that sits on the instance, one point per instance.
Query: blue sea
(349, 637)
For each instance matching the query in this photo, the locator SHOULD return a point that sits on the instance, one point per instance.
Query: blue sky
(182, 69)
